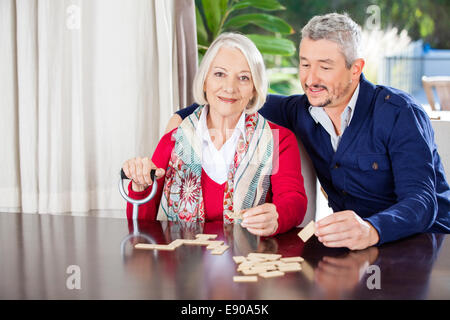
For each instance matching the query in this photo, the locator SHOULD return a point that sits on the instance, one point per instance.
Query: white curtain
(84, 85)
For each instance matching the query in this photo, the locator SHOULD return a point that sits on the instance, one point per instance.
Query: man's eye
(305, 65)
(326, 68)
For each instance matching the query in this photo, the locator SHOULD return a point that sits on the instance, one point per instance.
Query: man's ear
(357, 68)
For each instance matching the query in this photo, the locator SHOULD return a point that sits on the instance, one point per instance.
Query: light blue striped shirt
(320, 116)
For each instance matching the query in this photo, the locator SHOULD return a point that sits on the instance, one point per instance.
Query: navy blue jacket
(386, 167)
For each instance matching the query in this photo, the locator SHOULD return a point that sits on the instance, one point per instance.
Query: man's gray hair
(339, 28)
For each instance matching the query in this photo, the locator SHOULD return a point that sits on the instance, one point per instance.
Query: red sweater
(287, 191)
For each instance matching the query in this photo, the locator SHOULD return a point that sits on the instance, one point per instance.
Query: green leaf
(240, 5)
(202, 35)
(283, 88)
(223, 7)
(267, 5)
(201, 54)
(272, 45)
(280, 77)
(266, 21)
(213, 15)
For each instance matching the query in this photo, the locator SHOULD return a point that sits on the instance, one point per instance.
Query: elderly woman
(225, 161)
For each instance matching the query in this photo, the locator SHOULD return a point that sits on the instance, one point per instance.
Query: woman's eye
(219, 74)
(244, 78)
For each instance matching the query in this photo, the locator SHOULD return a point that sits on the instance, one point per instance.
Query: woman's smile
(227, 100)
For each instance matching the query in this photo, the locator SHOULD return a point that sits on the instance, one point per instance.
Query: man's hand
(338, 275)
(346, 229)
(174, 122)
(261, 220)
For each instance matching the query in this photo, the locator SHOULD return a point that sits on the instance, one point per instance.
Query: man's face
(323, 74)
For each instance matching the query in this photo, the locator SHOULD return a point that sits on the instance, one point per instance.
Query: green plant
(216, 16)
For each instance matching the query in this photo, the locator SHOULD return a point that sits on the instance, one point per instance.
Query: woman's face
(229, 83)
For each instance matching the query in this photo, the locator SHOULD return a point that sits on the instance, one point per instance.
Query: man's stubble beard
(330, 100)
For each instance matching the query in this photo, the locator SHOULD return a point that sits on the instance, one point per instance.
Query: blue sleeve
(277, 109)
(281, 110)
(411, 151)
(186, 112)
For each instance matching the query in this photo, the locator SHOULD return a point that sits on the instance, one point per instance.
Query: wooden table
(37, 250)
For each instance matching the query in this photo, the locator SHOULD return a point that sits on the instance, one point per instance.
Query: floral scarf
(248, 177)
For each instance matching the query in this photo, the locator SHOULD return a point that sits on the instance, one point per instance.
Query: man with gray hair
(372, 146)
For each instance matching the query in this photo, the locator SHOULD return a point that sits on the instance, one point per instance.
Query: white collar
(202, 128)
(351, 106)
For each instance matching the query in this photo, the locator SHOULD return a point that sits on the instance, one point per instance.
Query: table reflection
(338, 276)
(327, 273)
(39, 248)
(404, 269)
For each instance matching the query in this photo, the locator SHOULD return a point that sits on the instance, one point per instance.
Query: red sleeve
(287, 186)
(160, 158)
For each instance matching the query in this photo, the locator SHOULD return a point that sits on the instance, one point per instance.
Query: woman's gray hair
(255, 62)
(339, 28)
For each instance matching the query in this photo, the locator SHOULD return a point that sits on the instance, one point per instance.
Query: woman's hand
(138, 170)
(261, 220)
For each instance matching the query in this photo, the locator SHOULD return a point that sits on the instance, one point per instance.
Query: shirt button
(337, 165)
(387, 97)
(375, 166)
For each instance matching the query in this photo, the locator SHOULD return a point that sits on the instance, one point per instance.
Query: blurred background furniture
(440, 121)
(441, 86)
